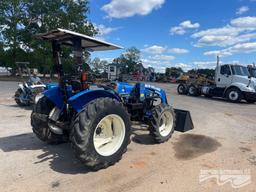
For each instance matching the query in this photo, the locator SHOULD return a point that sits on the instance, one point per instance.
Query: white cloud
(188, 25)
(244, 22)
(183, 27)
(155, 49)
(103, 30)
(242, 10)
(178, 51)
(205, 64)
(108, 59)
(243, 48)
(240, 48)
(214, 40)
(129, 8)
(177, 30)
(162, 57)
(226, 30)
(159, 62)
(221, 53)
(239, 30)
(184, 66)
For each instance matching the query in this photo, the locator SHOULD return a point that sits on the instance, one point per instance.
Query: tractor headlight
(37, 97)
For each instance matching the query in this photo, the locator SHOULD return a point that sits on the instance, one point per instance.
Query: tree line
(21, 20)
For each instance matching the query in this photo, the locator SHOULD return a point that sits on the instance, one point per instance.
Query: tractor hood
(89, 43)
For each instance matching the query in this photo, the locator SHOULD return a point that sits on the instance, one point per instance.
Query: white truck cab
(236, 81)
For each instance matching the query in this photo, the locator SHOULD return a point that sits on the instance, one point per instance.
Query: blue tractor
(97, 121)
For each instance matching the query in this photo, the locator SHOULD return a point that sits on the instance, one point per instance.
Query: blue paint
(55, 95)
(81, 99)
(157, 90)
(124, 88)
(51, 85)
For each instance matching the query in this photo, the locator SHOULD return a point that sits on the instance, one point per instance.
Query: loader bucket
(183, 121)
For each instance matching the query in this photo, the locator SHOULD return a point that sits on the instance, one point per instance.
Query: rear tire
(101, 133)
(234, 95)
(193, 91)
(182, 89)
(162, 123)
(17, 95)
(40, 127)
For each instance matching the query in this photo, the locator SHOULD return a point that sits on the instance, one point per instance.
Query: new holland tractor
(97, 121)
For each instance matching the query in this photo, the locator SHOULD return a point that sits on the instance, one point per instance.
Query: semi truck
(233, 82)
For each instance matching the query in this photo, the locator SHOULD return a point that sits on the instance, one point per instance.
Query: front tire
(40, 126)
(162, 123)
(101, 133)
(234, 95)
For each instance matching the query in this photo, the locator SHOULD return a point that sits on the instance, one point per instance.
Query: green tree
(99, 65)
(12, 16)
(173, 72)
(128, 60)
(21, 20)
(207, 72)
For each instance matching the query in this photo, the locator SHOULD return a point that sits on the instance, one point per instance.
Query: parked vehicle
(28, 93)
(232, 81)
(97, 121)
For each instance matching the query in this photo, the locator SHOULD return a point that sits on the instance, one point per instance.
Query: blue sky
(182, 33)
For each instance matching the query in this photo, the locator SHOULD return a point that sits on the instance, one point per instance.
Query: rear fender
(79, 100)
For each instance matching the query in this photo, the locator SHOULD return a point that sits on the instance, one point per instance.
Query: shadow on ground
(141, 136)
(61, 157)
(17, 106)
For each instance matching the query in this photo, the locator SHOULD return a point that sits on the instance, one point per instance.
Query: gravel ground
(224, 138)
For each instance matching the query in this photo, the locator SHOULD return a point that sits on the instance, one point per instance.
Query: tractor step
(184, 121)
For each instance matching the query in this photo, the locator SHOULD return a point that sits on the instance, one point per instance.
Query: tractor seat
(135, 93)
(76, 85)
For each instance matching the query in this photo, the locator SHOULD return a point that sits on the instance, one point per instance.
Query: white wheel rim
(233, 95)
(166, 123)
(109, 135)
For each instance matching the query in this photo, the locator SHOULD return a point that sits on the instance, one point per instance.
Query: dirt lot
(224, 138)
